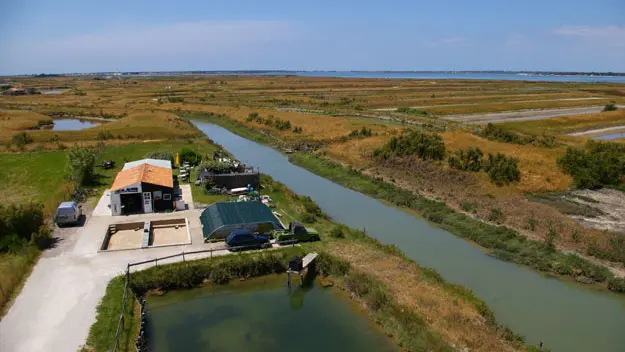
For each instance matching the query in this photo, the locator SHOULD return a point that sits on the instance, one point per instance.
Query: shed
(232, 180)
(144, 188)
(219, 219)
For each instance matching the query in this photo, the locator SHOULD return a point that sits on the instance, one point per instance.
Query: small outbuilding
(231, 180)
(143, 187)
(219, 219)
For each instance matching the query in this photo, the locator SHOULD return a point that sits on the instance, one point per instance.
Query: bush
(411, 111)
(502, 169)
(175, 99)
(252, 116)
(22, 139)
(160, 156)
(610, 107)
(282, 125)
(471, 160)
(422, 144)
(20, 224)
(189, 156)
(81, 163)
(218, 167)
(104, 135)
(616, 284)
(497, 133)
(337, 232)
(600, 164)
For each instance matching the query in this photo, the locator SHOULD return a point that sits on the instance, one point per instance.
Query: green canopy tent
(219, 219)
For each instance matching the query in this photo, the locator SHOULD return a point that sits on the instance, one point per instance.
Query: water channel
(260, 315)
(566, 316)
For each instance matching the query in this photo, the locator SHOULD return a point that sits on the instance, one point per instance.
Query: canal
(260, 315)
(566, 316)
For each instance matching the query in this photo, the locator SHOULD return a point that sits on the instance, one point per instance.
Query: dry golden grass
(457, 321)
(355, 151)
(315, 126)
(565, 124)
(539, 171)
(137, 126)
(13, 121)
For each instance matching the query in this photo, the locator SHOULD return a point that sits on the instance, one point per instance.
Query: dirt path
(599, 131)
(521, 115)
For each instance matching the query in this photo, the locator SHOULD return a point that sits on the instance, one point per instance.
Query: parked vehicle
(296, 232)
(108, 164)
(68, 213)
(244, 238)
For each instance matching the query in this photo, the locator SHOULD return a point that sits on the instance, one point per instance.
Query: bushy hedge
(20, 225)
(81, 165)
(471, 160)
(422, 144)
(190, 156)
(502, 169)
(497, 133)
(600, 164)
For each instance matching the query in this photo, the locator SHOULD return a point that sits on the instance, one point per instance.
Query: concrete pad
(102, 208)
(187, 195)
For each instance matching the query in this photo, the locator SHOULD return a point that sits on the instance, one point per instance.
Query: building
(219, 219)
(143, 186)
(230, 181)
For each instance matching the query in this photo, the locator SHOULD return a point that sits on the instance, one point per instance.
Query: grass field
(566, 124)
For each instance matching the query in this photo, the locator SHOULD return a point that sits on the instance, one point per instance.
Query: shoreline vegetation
(502, 242)
(457, 319)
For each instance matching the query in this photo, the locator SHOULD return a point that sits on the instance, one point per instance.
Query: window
(166, 196)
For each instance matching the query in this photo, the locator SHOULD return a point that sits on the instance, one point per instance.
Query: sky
(64, 36)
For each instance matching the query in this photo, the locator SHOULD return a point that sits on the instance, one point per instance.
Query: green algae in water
(259, 315)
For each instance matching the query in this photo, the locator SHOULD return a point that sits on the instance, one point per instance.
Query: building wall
(116, 203)
(161, 204)
(231, 181)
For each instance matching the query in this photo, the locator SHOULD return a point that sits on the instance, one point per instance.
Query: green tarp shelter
(219, 219)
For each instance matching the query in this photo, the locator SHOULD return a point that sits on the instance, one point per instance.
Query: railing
(140, 342)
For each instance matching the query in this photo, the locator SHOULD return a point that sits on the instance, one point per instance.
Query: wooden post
(183, 256)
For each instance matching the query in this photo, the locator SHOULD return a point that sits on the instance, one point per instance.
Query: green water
(259, 315)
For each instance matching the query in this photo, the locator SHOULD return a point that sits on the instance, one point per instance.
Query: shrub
(160, 156)
(337, 232)
(22, 139)
(80, 165)
(467, 206)
(104, 135)
(496, 216)
(282, 125)
(297, 130)
(600, 164)
(422, 144)
(20, 224)
(411, 111)
(252, 116)
(218, 167)
(471, 160)
(189, 156)
(610, 107)
(502, 170)
(173, 99)
(616, 284)
(498, 133)
(308, 218)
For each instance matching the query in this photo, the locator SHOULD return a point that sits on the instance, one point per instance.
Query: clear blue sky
(137, 35)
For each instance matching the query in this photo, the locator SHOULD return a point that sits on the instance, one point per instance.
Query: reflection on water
(72, 124)
(259, 315)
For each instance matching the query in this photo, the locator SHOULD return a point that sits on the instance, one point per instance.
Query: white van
(68, 213)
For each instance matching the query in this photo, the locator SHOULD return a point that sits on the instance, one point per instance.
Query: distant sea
(451, 75)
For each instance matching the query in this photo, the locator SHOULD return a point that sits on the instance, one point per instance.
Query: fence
(140, 341)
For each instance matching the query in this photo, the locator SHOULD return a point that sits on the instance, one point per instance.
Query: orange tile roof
(144, 173)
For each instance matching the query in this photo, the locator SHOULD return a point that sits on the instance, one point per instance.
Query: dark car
(244, 238)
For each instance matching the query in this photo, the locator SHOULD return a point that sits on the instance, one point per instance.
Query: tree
(502, 170)
(81, 164)
(160, 156)
(188, 155)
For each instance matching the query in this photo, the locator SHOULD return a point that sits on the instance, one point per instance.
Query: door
(147, 202)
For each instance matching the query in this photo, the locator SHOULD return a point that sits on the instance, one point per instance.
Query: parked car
(244, 238)
(68, 213)
(296, 232)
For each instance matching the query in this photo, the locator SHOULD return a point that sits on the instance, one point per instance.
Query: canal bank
(565, 315)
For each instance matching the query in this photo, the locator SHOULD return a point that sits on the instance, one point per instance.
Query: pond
(260, 315)
(566, 316)
(73, 124)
